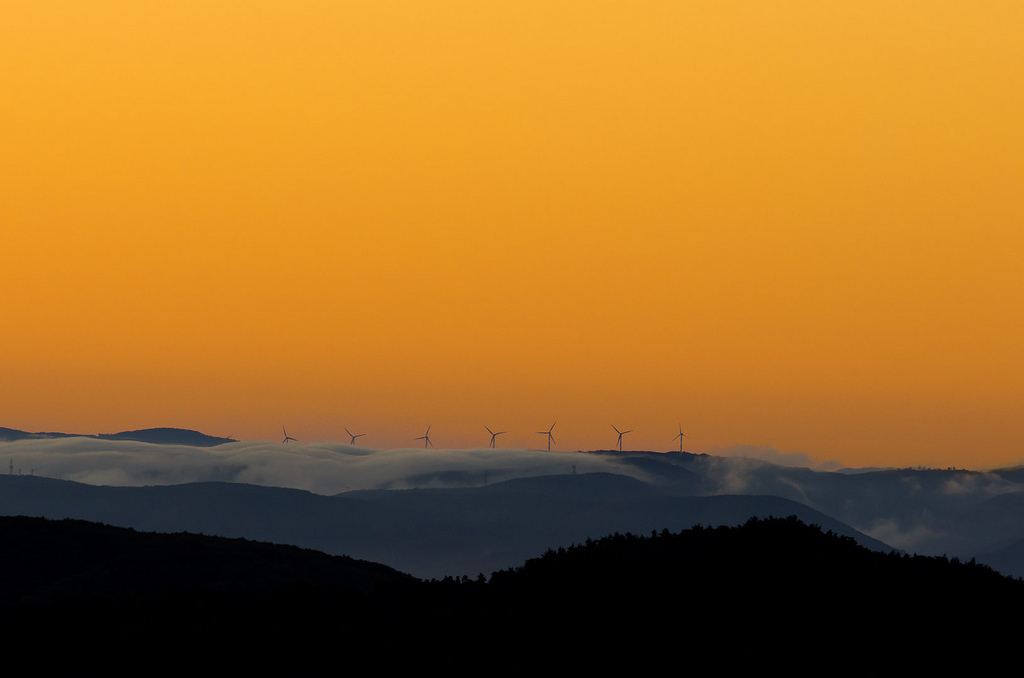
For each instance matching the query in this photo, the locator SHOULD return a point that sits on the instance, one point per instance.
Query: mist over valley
(453, 512)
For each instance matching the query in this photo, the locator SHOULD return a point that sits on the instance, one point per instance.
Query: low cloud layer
(765, 453)
(928, 511)
(325, 468)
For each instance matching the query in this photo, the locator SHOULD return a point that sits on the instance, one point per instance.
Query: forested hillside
(82, 596)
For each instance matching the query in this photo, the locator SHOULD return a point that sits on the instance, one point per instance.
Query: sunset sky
(794, 225)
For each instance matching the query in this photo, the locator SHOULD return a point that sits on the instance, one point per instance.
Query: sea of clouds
(323, 468)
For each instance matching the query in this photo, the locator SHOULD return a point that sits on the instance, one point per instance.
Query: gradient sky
(785, 224)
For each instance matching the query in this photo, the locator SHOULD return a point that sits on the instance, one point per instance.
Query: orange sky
(793, 224)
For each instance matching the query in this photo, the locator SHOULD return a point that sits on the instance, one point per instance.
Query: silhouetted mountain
(94, 599)
(167, 436)
(429, 533)
(12, 434)
(157, 436)
(769, 588)
(46, 559)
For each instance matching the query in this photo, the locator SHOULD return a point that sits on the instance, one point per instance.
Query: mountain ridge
(421, 531)
(156, 436)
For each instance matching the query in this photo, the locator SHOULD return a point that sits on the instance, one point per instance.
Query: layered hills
(425, 532)
(437, 512)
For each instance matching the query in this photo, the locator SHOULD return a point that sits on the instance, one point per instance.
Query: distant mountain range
(156, 436)
(443, 513)
(425, 532)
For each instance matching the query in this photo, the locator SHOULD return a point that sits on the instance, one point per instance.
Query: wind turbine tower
(621, 433)
(426, 439)
(680, 437)
(547, 433)
(493, 435)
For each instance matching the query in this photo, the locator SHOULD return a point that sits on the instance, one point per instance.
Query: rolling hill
(425, 532)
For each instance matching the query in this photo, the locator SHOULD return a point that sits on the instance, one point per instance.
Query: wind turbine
(621, 433)
(681, 436)
(286, 436)
(547, 433)
(426, 439)
(354, 435)
(493, 435)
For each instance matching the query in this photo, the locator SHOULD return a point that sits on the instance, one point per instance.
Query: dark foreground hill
(48, 560)
(769, 593)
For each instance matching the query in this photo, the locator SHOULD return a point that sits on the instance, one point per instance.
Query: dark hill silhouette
(768, 588)
(91, 599)
(156, 436)
(769, 592)
(167, 436)
(74, 558)
(12, 434)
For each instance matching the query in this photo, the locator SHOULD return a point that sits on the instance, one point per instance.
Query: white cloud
(770, 454)
(988, 484)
